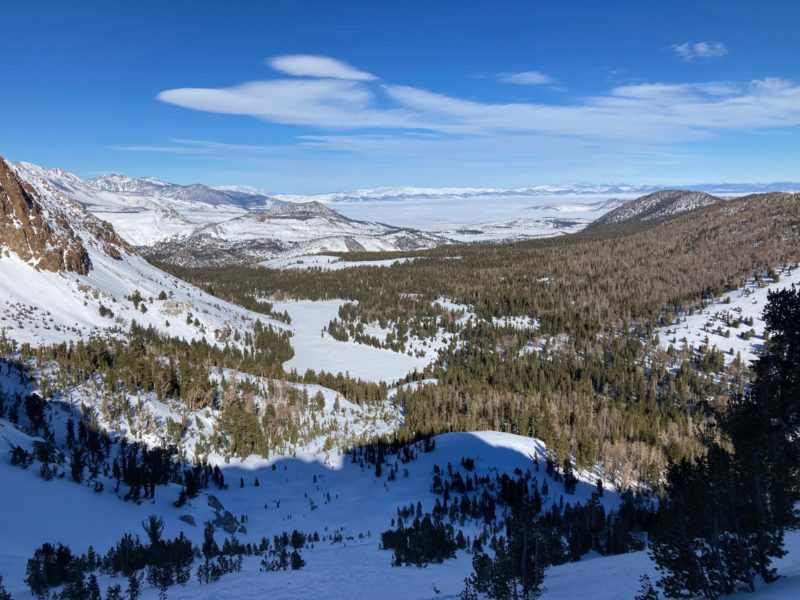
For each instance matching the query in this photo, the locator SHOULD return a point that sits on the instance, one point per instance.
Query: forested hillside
(589, 378)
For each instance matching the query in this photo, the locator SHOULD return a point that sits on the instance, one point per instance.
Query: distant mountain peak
(656, 206)
(298, 210)
(115, 182)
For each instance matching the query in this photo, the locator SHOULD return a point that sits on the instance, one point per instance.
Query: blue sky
(312, 96)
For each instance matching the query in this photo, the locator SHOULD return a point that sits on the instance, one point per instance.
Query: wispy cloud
(200, 147)
(308, 65)
(667, 112)
(318, 103)
(700, 50)
(525, 78)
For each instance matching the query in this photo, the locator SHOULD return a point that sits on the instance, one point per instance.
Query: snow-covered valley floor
(319, 351)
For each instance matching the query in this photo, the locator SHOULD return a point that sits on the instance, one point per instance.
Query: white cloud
(307, 65)
(202, 147)
(662, 112)
(525, 78)
(649, 112)
(318, 103)
(700, 50)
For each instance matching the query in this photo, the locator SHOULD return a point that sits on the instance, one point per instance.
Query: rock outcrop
(48, 241)
(47, 229)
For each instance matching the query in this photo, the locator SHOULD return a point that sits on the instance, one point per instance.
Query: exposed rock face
(44, 227)
(25, 229)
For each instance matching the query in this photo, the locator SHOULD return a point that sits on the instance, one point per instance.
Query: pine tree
(93, 589)
(724, 517)
(134, 590)
(646, 589)
(209, 547)
(114, 592)
(516, 571)
(4, 595)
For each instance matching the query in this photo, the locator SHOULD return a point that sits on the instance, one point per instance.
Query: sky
(312, 96)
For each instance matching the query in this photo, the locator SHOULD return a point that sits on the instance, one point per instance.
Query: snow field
(293, 494)
(313, 350)
(747, 302)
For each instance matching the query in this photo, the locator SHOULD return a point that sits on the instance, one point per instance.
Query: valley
(274, 396)
(407, 301)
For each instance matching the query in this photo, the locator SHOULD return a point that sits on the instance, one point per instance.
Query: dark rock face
(51, 244)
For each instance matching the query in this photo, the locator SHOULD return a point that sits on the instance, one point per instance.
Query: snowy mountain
(200, 225)
(577, 189)
(658, 205)
(320, 484)
(80, 277)
(149, 186)
(346, 504)
(287, 230)
(196, 224)
(421, 193)
(144, 211)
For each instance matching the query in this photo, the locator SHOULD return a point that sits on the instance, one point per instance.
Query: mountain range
(198, 225)
(576, 189)
(67, 275)
(86, 422)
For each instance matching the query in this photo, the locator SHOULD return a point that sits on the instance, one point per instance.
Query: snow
(308, 485)
(42, 307)
(360, 504)
(519, 322)
(142, 211)
(328, 263)
(475, 218)
(510, 229)
(146, 212)
(360, 507)
(613, 577)
(319, 352)
(748, 301)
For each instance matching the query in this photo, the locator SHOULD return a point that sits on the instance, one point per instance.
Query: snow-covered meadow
(314, 349)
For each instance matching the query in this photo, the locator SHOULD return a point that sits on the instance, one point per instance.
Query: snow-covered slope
(44, 305)
(512, 229)
(145, 211)
(348, 500)
(733, 323)
(148, 186)
(288, 230)
(347, 504)
(315, 349)
(196, 224)
(658, 205)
